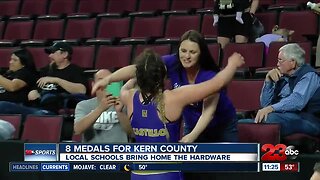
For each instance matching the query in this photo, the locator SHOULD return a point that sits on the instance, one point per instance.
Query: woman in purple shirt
(212, 119)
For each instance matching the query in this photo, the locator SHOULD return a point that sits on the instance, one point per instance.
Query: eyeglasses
(282, 60)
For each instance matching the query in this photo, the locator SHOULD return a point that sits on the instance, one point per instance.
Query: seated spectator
(17, 81)
(98, 118)
(59, 80)
(6, 130)
(291, 94)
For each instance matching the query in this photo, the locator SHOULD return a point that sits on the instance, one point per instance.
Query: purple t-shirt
(225, 111)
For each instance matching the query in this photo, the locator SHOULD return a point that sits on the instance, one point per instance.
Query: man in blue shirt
(291, 94)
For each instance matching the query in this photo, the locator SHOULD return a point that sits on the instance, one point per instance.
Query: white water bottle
(314, 6)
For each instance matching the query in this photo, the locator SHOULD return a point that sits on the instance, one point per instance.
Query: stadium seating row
(111, 57)
(36, 128)
(35, 7)
(158, 29)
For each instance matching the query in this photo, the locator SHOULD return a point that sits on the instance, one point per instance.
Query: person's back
(147, 125)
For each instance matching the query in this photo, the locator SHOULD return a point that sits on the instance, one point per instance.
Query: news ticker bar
(281, 167)
(127, 167)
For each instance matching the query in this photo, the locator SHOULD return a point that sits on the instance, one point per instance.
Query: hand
(215, 19)
(273, 75)
(236, 60)
(118, 105)
(45, 80)
(263, 114)
(106, 102)
(189, 138)
(101, 84)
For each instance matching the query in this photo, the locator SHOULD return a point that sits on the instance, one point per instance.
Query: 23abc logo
(279, 152)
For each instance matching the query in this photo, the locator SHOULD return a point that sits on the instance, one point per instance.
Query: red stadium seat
(162, 49)
(62, 6)
(245, 94)
(302, 22)
(5, 55)
(259, 133)
(80, 28)
(144, 29)
(147, 5)
(215, 51)
(113, 27)
(48, 29)
(42, 128)
(207, 29)
(208, 4)
(9, 8)
(186, 4)
(34, 7)
(176, 26)
(268, 19)
(110, 57)
(18, 30)
(2, 25)
(252, 52)
(15, 120)
(40, 58)
(83, 56)
(110, 29)
(119, 7)
(87, 6)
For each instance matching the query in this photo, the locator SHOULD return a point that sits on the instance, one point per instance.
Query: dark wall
(13, 151)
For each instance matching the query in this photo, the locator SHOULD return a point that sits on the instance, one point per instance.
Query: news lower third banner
(159, 152)
(220, 157)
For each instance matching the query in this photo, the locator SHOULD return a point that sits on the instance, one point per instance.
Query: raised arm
(192, 93)
(122, 74)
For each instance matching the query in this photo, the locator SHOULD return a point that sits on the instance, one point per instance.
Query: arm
(71, 87)
(208, 110)
(300, 95)
(12, 85)
(192, 93)
(267, 91)
(85, 119)
(123, 118)
(124, 73)
(267, 94)
(125, 97)
(254, 6)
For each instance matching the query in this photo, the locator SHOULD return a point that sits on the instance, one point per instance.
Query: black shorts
(228, 26)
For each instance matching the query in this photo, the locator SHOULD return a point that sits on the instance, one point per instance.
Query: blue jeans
(292, 123)
(14, 108)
